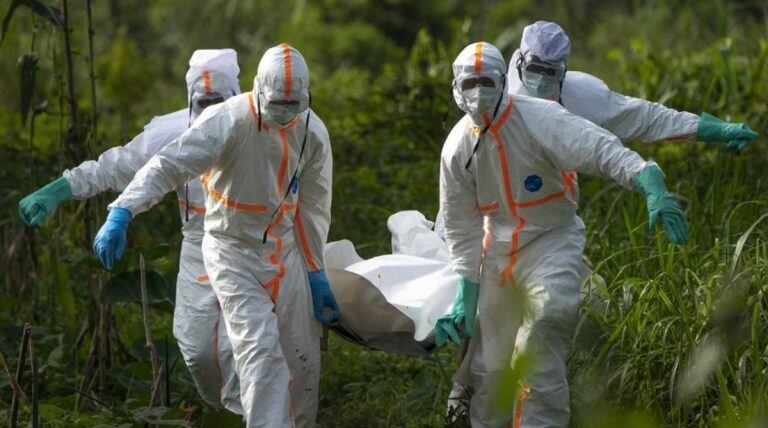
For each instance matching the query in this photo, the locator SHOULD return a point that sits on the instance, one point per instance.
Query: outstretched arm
(632, 118)
(576, 144)
(597, 152)
(115, 168)
(189, 155)
(629, 118)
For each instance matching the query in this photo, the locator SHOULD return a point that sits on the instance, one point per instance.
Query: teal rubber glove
(110, 241)
(461, 320)
(37, 206)
(737, 136)
(661, 206)
(322, 296)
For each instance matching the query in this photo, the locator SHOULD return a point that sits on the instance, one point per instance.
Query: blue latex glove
(110, 241)
(650, 182)
(322, 296)
(737, 136)
(461, 320)
(35, 207)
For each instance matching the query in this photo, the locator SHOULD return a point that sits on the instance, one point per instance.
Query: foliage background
(678, 337)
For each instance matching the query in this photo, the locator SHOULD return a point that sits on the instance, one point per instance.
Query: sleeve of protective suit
(313, 215)
(576, 144)
(630, 119)
(196, 150)
(113, 170)
(458, 203)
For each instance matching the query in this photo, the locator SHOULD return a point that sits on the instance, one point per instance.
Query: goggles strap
(258, 109)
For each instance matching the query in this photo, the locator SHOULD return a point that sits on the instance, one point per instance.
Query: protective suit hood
(543, 46)
(547, 41)
(212, 71)
(479, 59)
(282, 75)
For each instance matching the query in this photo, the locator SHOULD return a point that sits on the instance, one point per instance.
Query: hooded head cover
(479, 60)
(547, 41)
(544, 46)
(212, 74)
(283, 76)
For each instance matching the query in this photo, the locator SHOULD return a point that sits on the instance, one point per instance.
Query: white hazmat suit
(628, 118)
(587, 96)
(267, 215)
(511, 225)
(197, 322)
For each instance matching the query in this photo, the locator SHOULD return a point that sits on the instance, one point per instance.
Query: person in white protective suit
(539, 69)
(266, 162)
(509, 200)
(197, 323)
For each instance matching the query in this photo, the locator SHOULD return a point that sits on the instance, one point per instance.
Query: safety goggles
(292, 106)
(472, 82)
(532, 65)
(206, 100)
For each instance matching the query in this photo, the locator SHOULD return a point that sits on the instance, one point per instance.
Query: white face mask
(279, 114)
(480, 100)
(541, 86)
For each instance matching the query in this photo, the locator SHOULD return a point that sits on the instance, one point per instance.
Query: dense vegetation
(675, 336)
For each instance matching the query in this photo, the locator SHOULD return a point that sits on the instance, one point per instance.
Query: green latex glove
(34, 208)
(650, 182)
(737, 136)
(461, 320)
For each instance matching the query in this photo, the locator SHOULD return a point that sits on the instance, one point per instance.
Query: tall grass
(682, 332)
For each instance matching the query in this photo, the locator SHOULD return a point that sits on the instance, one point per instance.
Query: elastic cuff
(120, 215)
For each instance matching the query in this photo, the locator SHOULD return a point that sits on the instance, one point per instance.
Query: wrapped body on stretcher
(392, 302)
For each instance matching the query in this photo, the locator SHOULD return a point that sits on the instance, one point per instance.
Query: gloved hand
(35, 207)
(737, 136)
(110, 241)
(322, 296)
(650, 182)
(461, 320)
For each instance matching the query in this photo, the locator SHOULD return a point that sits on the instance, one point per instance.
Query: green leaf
(28, 69)
(7, 19)
(56, 357)
(52, 14)
(124, 287)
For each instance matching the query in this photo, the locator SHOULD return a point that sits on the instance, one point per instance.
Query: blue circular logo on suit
(533, 183)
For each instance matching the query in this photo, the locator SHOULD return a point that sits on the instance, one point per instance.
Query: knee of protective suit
(198, 357)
